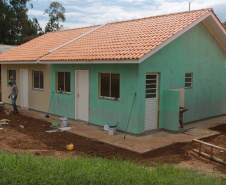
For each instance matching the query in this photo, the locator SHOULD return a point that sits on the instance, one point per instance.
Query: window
(109, 85)
(38, 80)
(12, 76)
(63, 82)
(188, 80)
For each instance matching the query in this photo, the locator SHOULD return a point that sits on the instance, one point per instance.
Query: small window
(38, 80)
(109, 85)
(12, 76)
(63, 82)
(188, 80)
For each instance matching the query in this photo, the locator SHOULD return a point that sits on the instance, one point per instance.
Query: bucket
(64, 122)
(112, 131)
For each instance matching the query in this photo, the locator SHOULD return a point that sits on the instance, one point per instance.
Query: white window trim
(64, 82)
(33, 76)
(8, 78)
(189, 82)
(108, 97)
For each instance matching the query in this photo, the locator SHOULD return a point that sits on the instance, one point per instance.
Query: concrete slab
(139, 144)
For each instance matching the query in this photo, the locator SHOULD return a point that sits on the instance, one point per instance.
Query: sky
(81, 13)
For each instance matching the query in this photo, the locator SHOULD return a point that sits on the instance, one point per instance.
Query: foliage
(56, 14)
(28, 169)
(224, 24)
(15, 24)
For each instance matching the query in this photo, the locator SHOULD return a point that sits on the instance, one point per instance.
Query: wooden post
(200, 148)
(224, 157)
(211, 154)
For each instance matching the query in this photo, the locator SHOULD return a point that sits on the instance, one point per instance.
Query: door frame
(21, 86)
(76, 97)
(157, 93)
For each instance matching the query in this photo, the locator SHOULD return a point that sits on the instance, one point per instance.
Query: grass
(28, 169)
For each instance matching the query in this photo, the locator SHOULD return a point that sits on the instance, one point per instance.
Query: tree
(224, 24)
(14, 22)
(56, 14)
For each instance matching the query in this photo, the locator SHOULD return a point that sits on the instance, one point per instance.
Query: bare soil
(33, 138)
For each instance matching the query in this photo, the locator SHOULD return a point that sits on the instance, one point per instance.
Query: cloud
(37, 13)
(92, 12)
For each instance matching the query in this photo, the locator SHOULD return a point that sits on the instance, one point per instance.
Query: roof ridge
(155, 16)
(75, 28)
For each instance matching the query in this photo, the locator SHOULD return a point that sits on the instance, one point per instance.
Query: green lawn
(27, 169)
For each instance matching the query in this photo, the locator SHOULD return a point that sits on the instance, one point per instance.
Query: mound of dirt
(34, 138)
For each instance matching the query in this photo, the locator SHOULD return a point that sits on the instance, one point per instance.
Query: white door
(151, 102)
(24, 87)
(82, 95)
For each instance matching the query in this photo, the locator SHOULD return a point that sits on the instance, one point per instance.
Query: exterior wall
(102, 111)
(37, 99)
(198, 52)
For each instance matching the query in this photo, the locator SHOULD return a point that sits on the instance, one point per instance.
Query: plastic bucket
(112, 130)
(64, 122)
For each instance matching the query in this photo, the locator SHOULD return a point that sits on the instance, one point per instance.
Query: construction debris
(50, 131)
(4, 120)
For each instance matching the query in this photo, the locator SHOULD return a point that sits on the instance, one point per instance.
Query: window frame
(99, 80)
(39, 80)
(188, 82)
(64, 82)
(8, 77)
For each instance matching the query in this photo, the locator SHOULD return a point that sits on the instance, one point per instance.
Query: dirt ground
(33, 138)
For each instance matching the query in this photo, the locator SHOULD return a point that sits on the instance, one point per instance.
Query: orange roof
(114, 41)
(127, 39)
(38, 47)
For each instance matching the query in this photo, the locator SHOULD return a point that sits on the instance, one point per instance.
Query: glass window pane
(150, 95)
(187, 79)
(150, 81)
(41, 80)
(36, 79)
(187, 84)
(60, 81)
(115, 85)
(105, 84)
(188, 75)
(150, 76)
(12, 75)
(150, 90)
(67, 82)
(150, 86)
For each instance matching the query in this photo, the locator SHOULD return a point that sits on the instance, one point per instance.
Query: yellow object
(70, 147)
(5, 120)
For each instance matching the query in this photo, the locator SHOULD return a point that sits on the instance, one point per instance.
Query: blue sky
(80, 13)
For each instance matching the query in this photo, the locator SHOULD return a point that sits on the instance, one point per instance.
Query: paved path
(140, 144)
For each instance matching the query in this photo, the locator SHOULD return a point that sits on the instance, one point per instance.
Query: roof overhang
(211, 22)
(132, 61)
(20, 62)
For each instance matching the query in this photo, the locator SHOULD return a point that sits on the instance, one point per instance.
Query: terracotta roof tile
(119, 40)
(40, 46)
(127, 39)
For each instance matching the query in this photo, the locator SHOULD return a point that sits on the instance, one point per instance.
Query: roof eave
(126, 61)
(19, 62)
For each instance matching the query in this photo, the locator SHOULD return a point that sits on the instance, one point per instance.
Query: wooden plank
(208, 156)
(208, 144)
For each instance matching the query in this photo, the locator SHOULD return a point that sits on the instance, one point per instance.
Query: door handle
(78, 95)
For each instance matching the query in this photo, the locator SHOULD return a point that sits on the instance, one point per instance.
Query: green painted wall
(102, 111)
(198, 52)
(171, 104)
